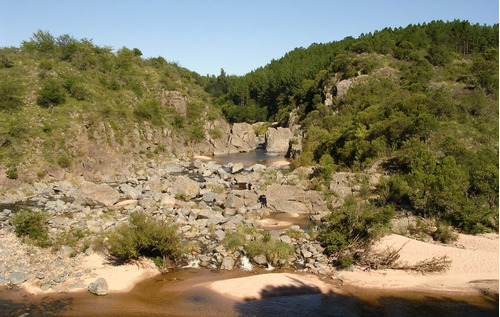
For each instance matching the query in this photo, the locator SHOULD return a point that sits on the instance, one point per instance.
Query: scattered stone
(59, 288)
(183, 185)
(17, 278)
(99, 287)
(45, 287)
(227, 263)
(96, 194)
(260, 259)
(236, 168)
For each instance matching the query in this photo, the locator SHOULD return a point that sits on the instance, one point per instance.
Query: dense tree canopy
(429, 106)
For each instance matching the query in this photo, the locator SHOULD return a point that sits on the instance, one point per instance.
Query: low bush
(11, 172)
(145, 235)
(74, 237)
(353, 226)
(276, 252)
(444, 233)
(31, 227)
(51, 93)
(234, 241)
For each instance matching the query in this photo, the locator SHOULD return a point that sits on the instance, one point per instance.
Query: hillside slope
(420, 102)
(69, 105)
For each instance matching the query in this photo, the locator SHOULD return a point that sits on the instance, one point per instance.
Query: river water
(180, 293)
(250, 158)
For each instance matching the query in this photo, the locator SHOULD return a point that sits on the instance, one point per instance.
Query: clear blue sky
(239, 36)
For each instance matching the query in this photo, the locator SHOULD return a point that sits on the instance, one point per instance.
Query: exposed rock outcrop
(278, 140)
(293, 199)
(175, 99)
(243, 137)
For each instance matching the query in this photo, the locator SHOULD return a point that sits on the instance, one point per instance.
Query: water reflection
(250, 158)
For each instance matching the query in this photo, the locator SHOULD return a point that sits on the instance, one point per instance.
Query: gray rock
(290, 198)
(17, 278)
(3, 280)
(45, 287)
(278, 140)
(99, 287)
(305, 253)
(167, 200)
(236, 168)
(96, 195)
(210, 197)
(243, 137)
(130, 192)
(286, 239)
(260, 259)
(257, 167)
(227, 263)
(66, 252)
(59, 288)
(228, 212)
(219, 235)
(77, 286)
(185, 186)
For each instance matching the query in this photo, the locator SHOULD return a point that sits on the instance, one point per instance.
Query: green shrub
(51, 93)
(354, 225)
(12, 172)
(31, 227)
(443, 233)
(234, 241)
(64, 161)
(149, 110)
(145, 235)
(276, 252)
(10, 96)
(294, 233)
(74, 237)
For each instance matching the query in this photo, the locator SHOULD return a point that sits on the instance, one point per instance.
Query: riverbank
(193, 292)
(473, 271)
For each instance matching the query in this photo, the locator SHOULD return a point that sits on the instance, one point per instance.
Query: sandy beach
(120, 278)
(474, 270)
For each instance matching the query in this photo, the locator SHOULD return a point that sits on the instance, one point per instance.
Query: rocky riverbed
(206, 200)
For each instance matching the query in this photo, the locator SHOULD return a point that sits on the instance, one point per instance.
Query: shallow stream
(179, 293)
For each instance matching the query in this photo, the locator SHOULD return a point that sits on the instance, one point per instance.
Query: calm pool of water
(250, 158)
(179, 294)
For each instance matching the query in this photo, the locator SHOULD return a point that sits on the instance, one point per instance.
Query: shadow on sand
(307, 300)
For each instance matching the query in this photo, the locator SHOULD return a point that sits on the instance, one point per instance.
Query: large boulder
(183, 185)
(278, 140)
(96, 195)
(293, 199)
(239, 198)
(243, 137)
(227, 263)
(99, 287)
